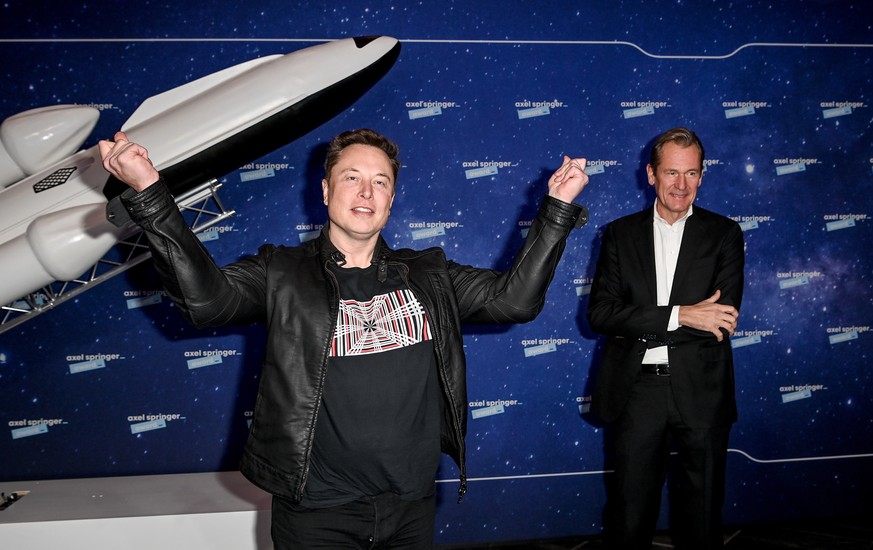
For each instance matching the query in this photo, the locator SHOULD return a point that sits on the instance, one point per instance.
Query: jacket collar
(328, 252)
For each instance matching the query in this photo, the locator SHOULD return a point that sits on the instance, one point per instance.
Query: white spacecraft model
(53, 201)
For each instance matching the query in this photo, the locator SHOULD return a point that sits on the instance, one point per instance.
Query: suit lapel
(645, 248)
(690, 243)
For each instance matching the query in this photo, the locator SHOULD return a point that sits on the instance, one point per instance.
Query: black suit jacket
(623, 306)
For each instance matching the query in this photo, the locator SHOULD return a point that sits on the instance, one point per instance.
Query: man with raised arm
(364, 372)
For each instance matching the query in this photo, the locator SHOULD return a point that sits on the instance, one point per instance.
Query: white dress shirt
(668, 239)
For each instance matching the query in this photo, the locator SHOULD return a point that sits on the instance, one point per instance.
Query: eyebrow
(357, 171)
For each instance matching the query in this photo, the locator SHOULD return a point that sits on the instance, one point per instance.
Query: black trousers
(383, 521)
(641, 442)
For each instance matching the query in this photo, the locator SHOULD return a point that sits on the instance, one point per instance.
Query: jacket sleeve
(517, 295)
(727, 277)
(731, 266)
(206, 294)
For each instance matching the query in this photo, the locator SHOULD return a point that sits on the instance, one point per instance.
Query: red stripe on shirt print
(386, 322)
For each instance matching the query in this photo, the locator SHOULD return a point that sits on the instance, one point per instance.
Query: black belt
(656, 369)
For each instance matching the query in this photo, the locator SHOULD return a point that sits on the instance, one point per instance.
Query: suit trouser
(641, 440)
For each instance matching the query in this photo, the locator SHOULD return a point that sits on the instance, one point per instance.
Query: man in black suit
(666, 293)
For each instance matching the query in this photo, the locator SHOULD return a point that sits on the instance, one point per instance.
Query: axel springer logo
(833, 109)
(532, 109)
(840, 335)
(474, 169)
(141, 298)
(749, 222)
(199, 358)
(26, 427)
(583, 286)
(535, 347)
(491, 407)
(745, 338)
(429, 230)
(426, 109)
(792, 392)
(835, 222)
(148, 422)
(785, 166)
(599, 166)
(793, 279)
(737, 109)
(636, 109)
(85, 362)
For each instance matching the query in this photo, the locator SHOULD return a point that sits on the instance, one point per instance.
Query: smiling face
(676, 179)
(358, 193)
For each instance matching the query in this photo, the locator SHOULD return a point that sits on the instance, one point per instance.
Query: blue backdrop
(484, 100)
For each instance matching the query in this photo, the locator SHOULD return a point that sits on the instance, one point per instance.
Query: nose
(366, 189)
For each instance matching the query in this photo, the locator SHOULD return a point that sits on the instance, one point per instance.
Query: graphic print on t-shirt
(387, 322)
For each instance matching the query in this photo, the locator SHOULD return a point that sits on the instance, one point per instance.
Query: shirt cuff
(674, 319)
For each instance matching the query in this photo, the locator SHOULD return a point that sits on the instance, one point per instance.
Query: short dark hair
(683, 137)
(361, 136)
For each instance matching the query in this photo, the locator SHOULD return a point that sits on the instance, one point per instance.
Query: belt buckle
(658, 369)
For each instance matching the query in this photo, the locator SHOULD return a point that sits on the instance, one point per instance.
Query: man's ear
(651, 174)
(324, 189)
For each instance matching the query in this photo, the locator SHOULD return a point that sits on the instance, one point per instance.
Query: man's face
(359, 193)
(676, 180)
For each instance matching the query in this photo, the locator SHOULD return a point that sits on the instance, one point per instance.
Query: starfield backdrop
(485, 99)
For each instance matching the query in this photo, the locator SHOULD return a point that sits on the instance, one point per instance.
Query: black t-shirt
(378, 429)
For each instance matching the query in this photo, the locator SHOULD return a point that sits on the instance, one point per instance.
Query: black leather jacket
(293, 292)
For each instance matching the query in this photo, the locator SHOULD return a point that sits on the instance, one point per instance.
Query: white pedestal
(209, 511)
